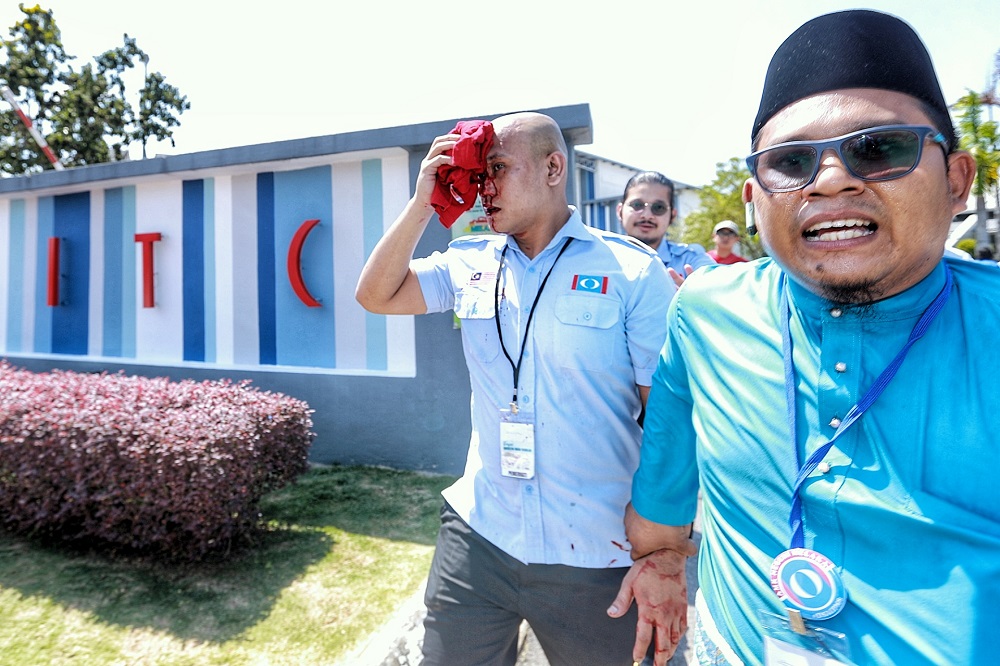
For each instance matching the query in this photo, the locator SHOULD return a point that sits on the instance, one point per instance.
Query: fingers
(624, 599)
(667, 639)
(441, 145)
(677, 277)
(439, 155)
(643, 635)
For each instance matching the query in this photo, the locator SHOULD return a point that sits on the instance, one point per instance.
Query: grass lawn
(343, 546)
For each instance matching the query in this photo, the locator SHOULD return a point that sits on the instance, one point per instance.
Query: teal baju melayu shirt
(909, 509)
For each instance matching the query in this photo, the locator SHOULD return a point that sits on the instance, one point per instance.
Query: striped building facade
(241, 263)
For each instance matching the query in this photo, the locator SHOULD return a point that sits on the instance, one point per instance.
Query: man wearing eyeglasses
(646, 212)
(724, 235)
(832, 402)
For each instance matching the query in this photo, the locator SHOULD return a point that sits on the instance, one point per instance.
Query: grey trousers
(477, 596)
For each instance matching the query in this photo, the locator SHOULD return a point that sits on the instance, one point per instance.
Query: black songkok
(853, 49)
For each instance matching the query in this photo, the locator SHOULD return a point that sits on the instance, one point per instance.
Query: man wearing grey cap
(851, 511)
(725, 235)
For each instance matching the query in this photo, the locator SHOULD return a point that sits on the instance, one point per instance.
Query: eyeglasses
(656, 207)
(874, 154)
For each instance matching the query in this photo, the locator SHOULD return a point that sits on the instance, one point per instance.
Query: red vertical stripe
(575, 278)
(604, 285)
(53, 290)
(147, 240)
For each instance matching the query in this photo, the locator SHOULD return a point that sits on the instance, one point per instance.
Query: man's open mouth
(838, 230)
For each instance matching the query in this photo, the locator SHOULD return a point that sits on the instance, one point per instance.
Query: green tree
(34, 56)
(85, 114)
(979, 137)
(722, 200)
(159, 105)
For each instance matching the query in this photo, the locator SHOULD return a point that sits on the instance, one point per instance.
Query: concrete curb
(397, 642)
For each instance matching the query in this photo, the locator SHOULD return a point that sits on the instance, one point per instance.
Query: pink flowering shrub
(139, 465)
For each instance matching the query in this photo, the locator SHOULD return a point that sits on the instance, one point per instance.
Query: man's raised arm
(387, 285)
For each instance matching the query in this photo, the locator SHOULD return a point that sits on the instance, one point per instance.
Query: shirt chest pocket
(955, 478)
(475, 309)
(587, 331)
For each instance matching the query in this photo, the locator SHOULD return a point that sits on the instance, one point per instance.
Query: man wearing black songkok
(830, 400)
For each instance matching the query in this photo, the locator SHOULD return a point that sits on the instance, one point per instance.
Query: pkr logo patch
(482, 277)
(594, 284)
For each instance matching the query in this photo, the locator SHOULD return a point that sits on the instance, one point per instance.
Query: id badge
(801, 643)
(517, 444)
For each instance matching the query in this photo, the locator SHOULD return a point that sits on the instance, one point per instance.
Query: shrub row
(145, 466)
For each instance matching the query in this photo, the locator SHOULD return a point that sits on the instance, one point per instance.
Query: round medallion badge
(808, 582)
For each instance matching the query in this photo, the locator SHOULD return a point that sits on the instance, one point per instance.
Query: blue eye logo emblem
(808, 582)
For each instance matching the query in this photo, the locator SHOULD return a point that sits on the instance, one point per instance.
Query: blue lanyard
(857, 411)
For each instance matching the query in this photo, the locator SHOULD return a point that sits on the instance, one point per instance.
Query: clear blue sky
(670, 88)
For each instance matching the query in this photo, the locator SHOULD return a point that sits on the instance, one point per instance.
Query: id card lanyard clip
(517, 431)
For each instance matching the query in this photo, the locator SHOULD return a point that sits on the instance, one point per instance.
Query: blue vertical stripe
(131, 279)
(113, 275)
(305, 336)
(43, 313)
(70, 319)
(209, 245)
(265, 269)
(193, 249)
(375, 325)
(15, 290)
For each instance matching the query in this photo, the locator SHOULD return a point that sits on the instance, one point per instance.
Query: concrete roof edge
(575, 121)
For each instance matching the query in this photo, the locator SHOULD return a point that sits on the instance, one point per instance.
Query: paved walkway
(397, 643)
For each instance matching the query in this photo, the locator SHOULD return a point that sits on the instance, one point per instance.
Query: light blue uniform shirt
(676, 255)
(595, 335)
(910, 509)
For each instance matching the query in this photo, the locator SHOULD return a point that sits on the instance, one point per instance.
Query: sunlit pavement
(397, 643)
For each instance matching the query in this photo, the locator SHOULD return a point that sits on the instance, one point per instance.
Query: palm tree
(982, 139)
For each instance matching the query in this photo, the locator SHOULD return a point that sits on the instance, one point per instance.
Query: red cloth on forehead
(463, 176)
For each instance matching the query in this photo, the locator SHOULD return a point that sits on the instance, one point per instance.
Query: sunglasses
(656, 208)
(875, 154)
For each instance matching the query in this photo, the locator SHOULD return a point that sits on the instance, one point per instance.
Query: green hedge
(146, 466)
